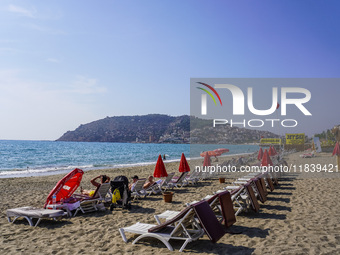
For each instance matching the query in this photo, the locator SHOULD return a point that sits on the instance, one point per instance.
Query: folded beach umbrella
(160, 168)
(66, 186)
(271, 151)
(183, 165)
(207, 161)
(336, 150)
(260, 155)
(266, 161)
(274, 150)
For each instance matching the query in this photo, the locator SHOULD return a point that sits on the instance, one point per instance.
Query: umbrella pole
(338, 162)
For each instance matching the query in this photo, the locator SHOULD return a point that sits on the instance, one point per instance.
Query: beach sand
(300, 217)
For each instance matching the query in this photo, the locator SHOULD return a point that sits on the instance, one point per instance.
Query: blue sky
(66, 63)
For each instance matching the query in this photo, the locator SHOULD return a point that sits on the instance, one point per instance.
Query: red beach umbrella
(160, 168)
(260, 155)
(271, 151)
(207, 161)
(210, 153)
(274, 150)
(66, 186)
(221, 151)
(183, 165)
(266, 161)
(336, 150)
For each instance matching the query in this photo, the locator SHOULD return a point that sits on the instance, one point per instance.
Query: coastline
(54, 171)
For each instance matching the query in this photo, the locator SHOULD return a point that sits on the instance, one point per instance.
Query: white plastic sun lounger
(30, 213)
(183, 227)
(224, 210)
(91, 204)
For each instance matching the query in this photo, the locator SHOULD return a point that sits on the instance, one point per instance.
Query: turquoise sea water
(32, 158)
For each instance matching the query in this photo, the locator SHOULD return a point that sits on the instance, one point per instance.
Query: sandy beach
(300, 217)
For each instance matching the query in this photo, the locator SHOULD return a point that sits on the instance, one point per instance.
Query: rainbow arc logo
(204, 97)
(209, 93)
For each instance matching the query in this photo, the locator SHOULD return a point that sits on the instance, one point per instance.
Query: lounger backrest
(254, 204)
(264, 186)
(193, 175)
(227, 208)
(101, 190)
(212, 199)
(139, 184)
(169, 178)
(208, 221)
(184, 216)
(237, 191)
(270, 183)
(214, 203)
(181, 178)
(262, 195)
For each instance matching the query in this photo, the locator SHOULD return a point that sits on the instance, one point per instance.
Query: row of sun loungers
(198, 218)
(170, 182)
(221, 207)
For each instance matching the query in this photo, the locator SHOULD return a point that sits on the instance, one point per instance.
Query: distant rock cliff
(155, 128)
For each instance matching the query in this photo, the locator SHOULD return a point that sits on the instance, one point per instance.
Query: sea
(38, 158)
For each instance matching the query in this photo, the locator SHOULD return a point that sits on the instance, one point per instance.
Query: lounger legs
(122, 233)
(167, 244)
(183, 246)
(163, 240)
(27, 218)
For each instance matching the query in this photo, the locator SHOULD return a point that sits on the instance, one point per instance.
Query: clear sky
(66, 63)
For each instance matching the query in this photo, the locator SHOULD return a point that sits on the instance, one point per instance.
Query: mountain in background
(152, 128)
(158, 128)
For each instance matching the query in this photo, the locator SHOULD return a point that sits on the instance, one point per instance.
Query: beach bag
(115, 195)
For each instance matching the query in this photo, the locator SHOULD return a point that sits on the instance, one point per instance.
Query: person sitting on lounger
(103, 179)
(149, 183)
(132, 185)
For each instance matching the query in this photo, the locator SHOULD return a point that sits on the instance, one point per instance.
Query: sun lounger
(252, 198)
(138, 190)
(227, 208)
(269, 181)
(263, 184)
(182, 227)
(221, 204)
(192, 178)
(308, 155)
(257, 186)
(177, 182)
(238, 197)
(260, 190)
(94, 203)
(30, 213)
(166, 181)
(153, 189)
(244, 197)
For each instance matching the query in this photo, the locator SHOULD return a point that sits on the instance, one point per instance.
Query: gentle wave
(36, 158)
